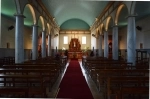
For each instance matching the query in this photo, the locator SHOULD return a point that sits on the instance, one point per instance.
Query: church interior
(79, 49)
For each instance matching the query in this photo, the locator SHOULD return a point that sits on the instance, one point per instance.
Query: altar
(75, 49)
(75, 55)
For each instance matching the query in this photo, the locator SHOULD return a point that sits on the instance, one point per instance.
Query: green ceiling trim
(75, 24)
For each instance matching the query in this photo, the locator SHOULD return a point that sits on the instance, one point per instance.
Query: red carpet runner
(73, 84)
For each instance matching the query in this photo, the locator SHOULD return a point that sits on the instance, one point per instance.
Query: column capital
(21, 15)
(131, 15)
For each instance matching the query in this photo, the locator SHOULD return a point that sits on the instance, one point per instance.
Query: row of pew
(31, 79)
(7, 60)
(118, 79)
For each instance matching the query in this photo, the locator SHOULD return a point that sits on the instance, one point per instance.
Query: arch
(107, 22)
(101, 28)
(49, 28)
(42, 22)
(32, 12)
(29, 12)
(118, 13)
(97, 32)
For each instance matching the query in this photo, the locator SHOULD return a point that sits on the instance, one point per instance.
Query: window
(83, 40)
(65, 39)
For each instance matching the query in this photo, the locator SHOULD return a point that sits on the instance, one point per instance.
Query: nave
(106, 78)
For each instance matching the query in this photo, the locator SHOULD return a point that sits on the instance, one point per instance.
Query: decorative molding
(75, 31)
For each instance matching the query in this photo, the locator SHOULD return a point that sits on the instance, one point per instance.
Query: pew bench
(118, 86)
(49, 74)
(102, 75)
(14, 92)
(25, 81)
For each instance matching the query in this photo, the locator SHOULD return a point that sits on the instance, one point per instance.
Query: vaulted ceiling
(74, 14)
(71, 10)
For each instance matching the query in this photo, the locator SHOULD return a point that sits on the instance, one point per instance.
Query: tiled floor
(92, 86)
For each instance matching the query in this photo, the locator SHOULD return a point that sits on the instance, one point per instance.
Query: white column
(100, 45)
(43, 44)
(49, 45)
(115, 43)
(106, 44)
(35, 42)
(19, 40)
(131, 40)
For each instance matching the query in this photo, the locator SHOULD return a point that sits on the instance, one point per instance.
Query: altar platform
(77, 55)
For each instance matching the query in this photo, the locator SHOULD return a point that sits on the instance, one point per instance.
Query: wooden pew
(85, 59)
(9, 92)
(50, 74)
(99, 76)
(54, 69)
(24, 81)
(52, 66)
(109, 65)
(54, 62)
(94, 65)
(118, 86)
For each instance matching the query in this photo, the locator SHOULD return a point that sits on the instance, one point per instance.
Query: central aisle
(74, 85)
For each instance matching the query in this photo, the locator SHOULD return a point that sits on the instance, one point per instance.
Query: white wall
(9, 36)
(27, 38)
(56, 40)
(123, 40)
(144, 35)
(93, 40)
(141, 36)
